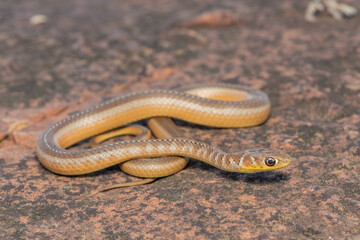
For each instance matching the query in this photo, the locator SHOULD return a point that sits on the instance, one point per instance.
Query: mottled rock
(90, 51)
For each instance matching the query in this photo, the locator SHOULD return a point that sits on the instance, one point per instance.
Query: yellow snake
(216, 105)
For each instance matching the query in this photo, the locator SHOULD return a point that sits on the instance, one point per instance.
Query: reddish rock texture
(88, 51)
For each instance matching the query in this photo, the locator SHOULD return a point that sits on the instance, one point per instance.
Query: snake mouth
(279, 166)
(258, 169)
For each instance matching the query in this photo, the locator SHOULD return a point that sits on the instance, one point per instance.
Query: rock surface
(88, 51)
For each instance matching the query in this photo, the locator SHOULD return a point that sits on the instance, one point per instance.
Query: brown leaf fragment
(213, 19)
(26, 139)
(119, 87)
(152, 74)
(15, 123)
(54, 111)
(18, 125)
(2, 136)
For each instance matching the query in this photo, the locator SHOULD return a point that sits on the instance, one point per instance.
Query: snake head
(261, 160)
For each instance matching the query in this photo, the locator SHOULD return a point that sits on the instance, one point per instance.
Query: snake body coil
(229, 106)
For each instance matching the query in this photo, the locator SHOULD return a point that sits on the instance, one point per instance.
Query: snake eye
(270, 161)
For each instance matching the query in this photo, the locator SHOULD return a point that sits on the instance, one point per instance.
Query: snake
(217, 105)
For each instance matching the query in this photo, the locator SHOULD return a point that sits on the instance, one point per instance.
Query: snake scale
(216, 105)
